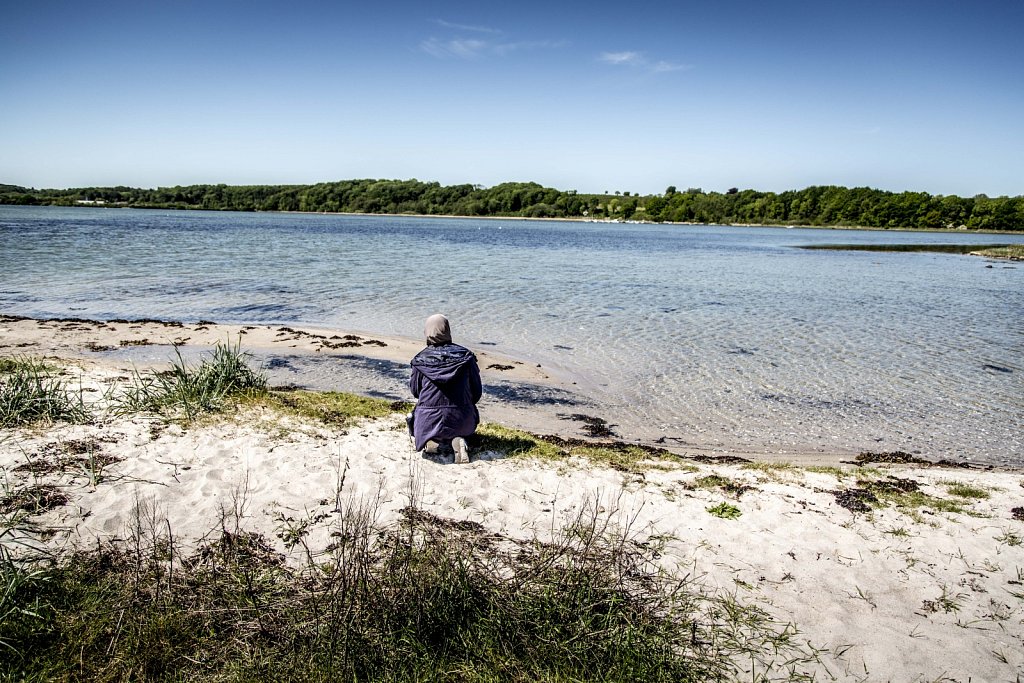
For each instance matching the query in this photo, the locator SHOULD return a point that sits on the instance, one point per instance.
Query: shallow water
(714, 336)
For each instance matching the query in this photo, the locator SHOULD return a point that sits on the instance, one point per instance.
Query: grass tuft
(837, 472)
(189, 392)
(966, 490)
(29, 394)
(713, 482)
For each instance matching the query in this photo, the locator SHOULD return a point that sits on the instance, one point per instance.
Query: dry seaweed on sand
(33, 499)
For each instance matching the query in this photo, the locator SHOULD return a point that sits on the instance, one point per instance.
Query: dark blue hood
(442, 363)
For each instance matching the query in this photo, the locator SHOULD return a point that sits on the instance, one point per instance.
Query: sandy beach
(890, 571)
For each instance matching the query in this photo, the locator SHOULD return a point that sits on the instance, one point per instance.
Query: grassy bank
(428, 599)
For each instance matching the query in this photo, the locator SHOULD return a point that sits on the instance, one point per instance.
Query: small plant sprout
(725, 511)
(865, 596)
(1010, 538)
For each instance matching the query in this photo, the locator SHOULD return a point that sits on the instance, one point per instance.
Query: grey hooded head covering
(437, 330)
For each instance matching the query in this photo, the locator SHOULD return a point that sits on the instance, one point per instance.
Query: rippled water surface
(728, 337)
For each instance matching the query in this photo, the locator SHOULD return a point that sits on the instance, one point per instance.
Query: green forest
(819, 205)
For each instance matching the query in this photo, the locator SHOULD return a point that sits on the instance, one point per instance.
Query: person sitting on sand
(446, 381)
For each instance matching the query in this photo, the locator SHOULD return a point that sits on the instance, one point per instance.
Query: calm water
(729, 337)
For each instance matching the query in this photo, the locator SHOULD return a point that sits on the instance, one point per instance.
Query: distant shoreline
(561, 219)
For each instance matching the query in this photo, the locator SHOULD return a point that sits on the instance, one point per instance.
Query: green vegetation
(713, 482)
(428, 599)
(29, 393)
(818, 205)
(330, 407)
(966, 490)
(904, 494)
(837, 472)
(617, 455)
(1010, 538)
(186, 393)
(1013, 251)
(725, 511)
(515, 443)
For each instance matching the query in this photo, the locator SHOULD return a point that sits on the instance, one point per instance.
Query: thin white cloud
(639, 60)
(621, 57)
(463, 49)
(473, 48)
(663, 67)
(466, 27)
(505, 48)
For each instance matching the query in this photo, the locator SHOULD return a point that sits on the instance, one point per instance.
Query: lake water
(732, 338)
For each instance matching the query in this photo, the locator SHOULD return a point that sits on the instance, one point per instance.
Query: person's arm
(416, 382)
(476, 389)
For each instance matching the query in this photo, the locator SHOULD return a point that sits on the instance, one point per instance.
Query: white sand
(899, 596)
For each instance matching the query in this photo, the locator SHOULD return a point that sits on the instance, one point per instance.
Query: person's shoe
(461, 450)
(434, 448)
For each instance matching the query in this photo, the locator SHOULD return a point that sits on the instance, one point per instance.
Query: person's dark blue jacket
(446, 380)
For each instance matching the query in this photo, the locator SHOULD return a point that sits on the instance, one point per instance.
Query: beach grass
(30, 393)
(185, 392)
(961, 490)
(515, 443)
(425, 599)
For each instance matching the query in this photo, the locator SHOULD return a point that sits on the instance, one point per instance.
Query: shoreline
(518, 392)
(571, 219)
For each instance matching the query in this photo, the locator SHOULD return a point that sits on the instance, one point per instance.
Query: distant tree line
(821, 205)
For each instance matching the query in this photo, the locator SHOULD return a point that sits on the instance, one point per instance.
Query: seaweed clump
(892, 457)
(868, 494)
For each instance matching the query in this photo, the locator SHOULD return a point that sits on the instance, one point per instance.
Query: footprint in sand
(212, 482)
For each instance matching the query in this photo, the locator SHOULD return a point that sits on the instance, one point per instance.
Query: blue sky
(912, 95)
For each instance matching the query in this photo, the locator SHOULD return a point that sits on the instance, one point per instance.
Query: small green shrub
(725, 511)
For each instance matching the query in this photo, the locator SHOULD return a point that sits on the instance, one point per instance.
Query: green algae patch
(329, 407)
